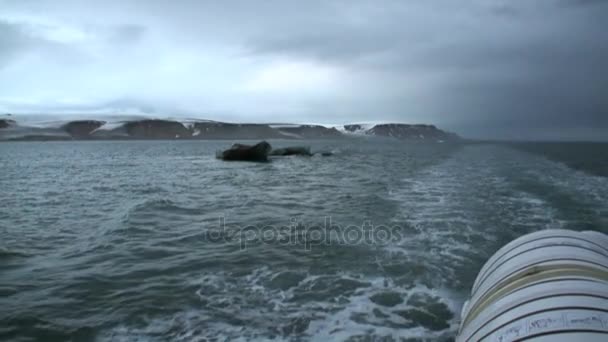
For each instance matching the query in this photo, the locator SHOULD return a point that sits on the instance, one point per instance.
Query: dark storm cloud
(583, 2)
(537, 71)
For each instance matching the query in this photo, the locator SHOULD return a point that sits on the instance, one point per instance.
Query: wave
(461, 210)
(6, 253)
(35, 329)
(253, 307)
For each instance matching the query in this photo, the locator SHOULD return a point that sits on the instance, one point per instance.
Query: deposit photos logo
(308, 236)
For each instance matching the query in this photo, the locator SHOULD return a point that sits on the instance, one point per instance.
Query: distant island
(140, 128)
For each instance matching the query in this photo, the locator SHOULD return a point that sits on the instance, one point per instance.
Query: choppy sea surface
(159, 241)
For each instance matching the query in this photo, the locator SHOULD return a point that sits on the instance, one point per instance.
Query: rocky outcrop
(310, 132)
(137, 127)
(353, 128)
(258, 152)
(428, 133)
(223, 130)
(82, 129)
(6, 123)
(156, 129)
(292, 151)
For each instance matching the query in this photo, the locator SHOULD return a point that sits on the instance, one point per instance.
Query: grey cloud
(484, 68)
(128, 34)
(543, 70)
(583, 2)
(517, 8)
(19, 39)
(13, 41)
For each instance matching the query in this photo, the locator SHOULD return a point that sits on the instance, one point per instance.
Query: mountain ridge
(146, 128)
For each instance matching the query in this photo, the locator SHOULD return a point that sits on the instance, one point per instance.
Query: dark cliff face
(82, 129)
(11, 129)
(156, 129)
(411, 132)
(352, 128)
(312, 132)
(222, 130)
(5, 123)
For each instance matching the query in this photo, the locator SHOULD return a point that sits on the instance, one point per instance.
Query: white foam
(332, 319)
(340, 326)
(467, 199)
(589, 187)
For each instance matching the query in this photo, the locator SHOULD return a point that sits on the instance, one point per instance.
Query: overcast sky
(483, 68)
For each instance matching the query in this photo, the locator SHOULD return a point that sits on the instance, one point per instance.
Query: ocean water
(159, 241)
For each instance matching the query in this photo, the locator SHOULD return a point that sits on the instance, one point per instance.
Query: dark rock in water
(257, 152)
(82, 129)
(292, 151)
(326, 154)
(5, 123)
(156, 129)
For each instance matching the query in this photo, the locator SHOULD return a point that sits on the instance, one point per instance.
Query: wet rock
(258, 152)
(292, 151)
(387, 299)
